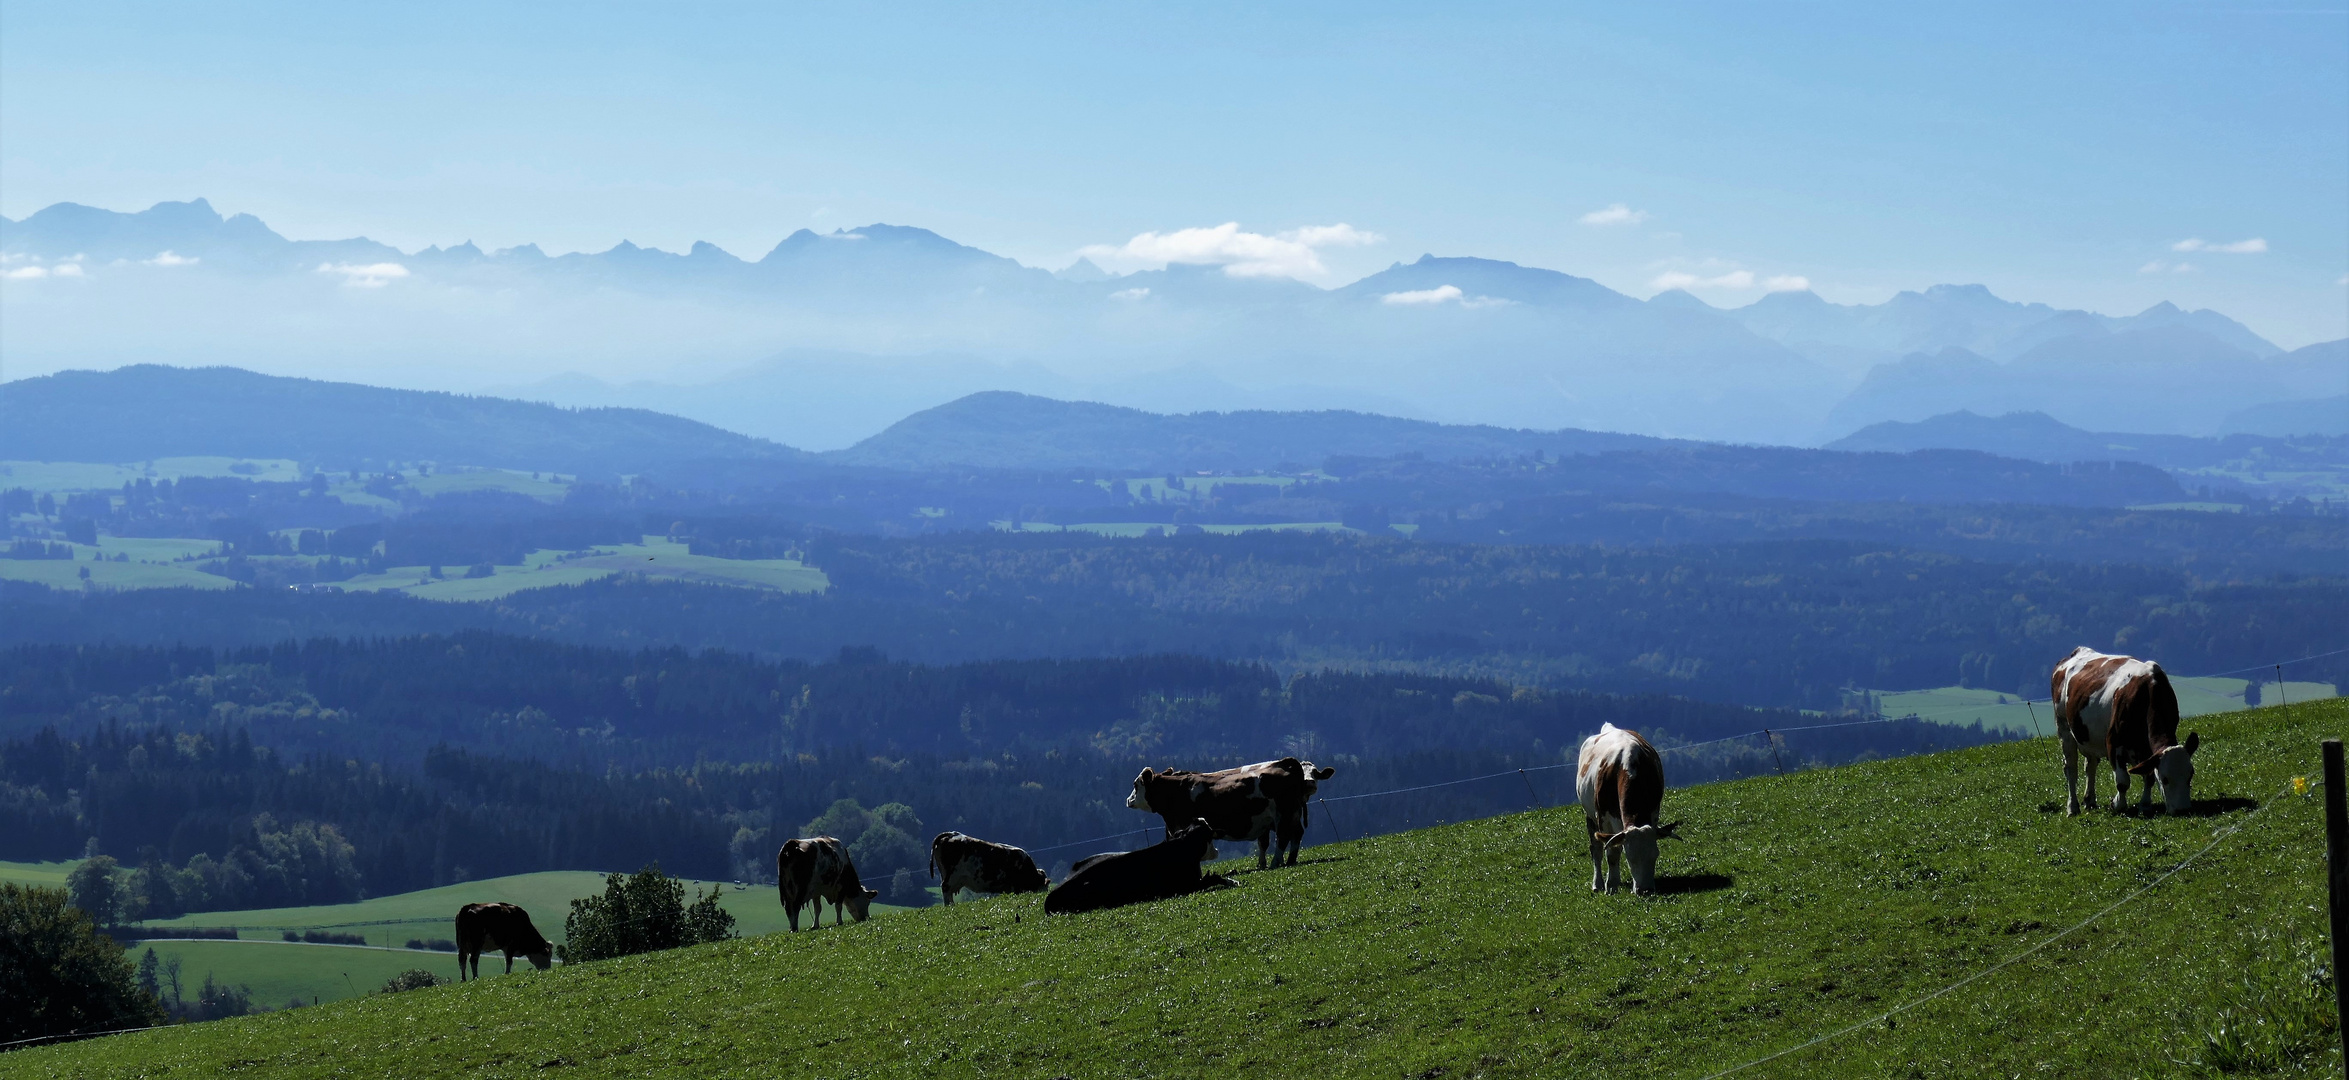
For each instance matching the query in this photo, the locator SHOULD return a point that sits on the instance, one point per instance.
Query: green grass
(655, 557)
(277, 971)
(110, 576)
(48, 875)
(1805, 903)
(1959, 706)
(59, 476)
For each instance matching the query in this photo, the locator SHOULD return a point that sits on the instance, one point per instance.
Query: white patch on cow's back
(1611, 746)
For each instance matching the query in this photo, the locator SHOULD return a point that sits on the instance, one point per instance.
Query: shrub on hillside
(58, 975)
(97, 890)
(412, 979)
(641, 912)
(433, 944)
(909, 889)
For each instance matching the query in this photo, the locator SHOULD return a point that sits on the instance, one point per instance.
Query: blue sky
(2056, 152)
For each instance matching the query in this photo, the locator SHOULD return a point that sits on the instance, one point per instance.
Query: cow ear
(1147, 774)
(1669, 832)
(2145, 767)
(1599, 837)
(2193, 742)
(1324, 773)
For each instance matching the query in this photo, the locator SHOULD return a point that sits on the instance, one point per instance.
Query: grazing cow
(1619, 780)
(504, 927)
(1165, 869)
(2121, 709)
(817, 869)
(1264, 802)
(960, 862)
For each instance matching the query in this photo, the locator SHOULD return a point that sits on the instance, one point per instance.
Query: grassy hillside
(1798, 905)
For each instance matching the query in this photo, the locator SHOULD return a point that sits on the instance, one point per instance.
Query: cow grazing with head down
(2122, 709)
(816, 869)
(966, 862)
(1619, 779)
(503, 927)
(1264, 802)
(1165, 869)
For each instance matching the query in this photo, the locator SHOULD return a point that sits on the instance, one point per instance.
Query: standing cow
(960, 862)
(2121, 709)
(1619, 780)
(504, 927)
(1264, 802)
(817, 869)
(1163, 870)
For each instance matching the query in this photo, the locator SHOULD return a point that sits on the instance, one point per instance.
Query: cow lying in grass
(816, 869)
(504, 927)
(966, 862)
(1619, 779)
(1166, 869)
(2121, 709)
(1264, 802)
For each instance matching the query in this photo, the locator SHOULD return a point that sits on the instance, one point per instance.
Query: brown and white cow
(2122, 709)
(503, 927)
(815, 869)
(1264, 802)
(1619, 779)
(966, 862)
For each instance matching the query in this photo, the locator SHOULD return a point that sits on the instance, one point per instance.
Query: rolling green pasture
(276, 970)
(1797, 906)
(48, 875)
(655, 557)
(1959, 706)
(62, 476)
(471, 480)
(1144, 528)
(64, 574)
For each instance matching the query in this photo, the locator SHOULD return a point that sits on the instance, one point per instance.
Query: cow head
(1638, 844)
(858, 901)
(1140, 799)
(2173, 769)
(544, 958)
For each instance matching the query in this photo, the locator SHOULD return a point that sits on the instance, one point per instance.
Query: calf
(2122, 709)
(504, 927)
(960, 862)
(1619, 779)
(1165, 869)
(817, 869)
(1264, 802)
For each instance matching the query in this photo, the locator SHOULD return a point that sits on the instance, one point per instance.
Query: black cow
(1166, 869)
(960, 862)
(1264, 802)
(503, 927)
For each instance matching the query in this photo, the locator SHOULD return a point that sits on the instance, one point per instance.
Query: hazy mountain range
(828, 338)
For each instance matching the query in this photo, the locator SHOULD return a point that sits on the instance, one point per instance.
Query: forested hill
(1004, 430)
(148, 411)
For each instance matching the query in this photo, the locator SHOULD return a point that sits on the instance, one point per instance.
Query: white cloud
(168, 259)
(1436, 295)
(22, 273)
(1130, 294)
(66, 269)
(1676, 279)
(368, 276)
(1617, 214)
(2154, 267)
(1786, 283)
(2254, 246)
(1292, 254)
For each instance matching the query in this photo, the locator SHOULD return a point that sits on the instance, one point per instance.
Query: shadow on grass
(1677, 884)
(1246, 870)
(2213, 807)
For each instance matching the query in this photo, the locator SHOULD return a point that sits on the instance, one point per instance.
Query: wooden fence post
(2337, 877)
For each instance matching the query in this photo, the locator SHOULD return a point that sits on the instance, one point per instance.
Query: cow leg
(2091, 798)
(1598, 866)
(1614, 869)
(1262, 843)
(2120, 787)
(791, 911)
(2072, 779)
(509, 963)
